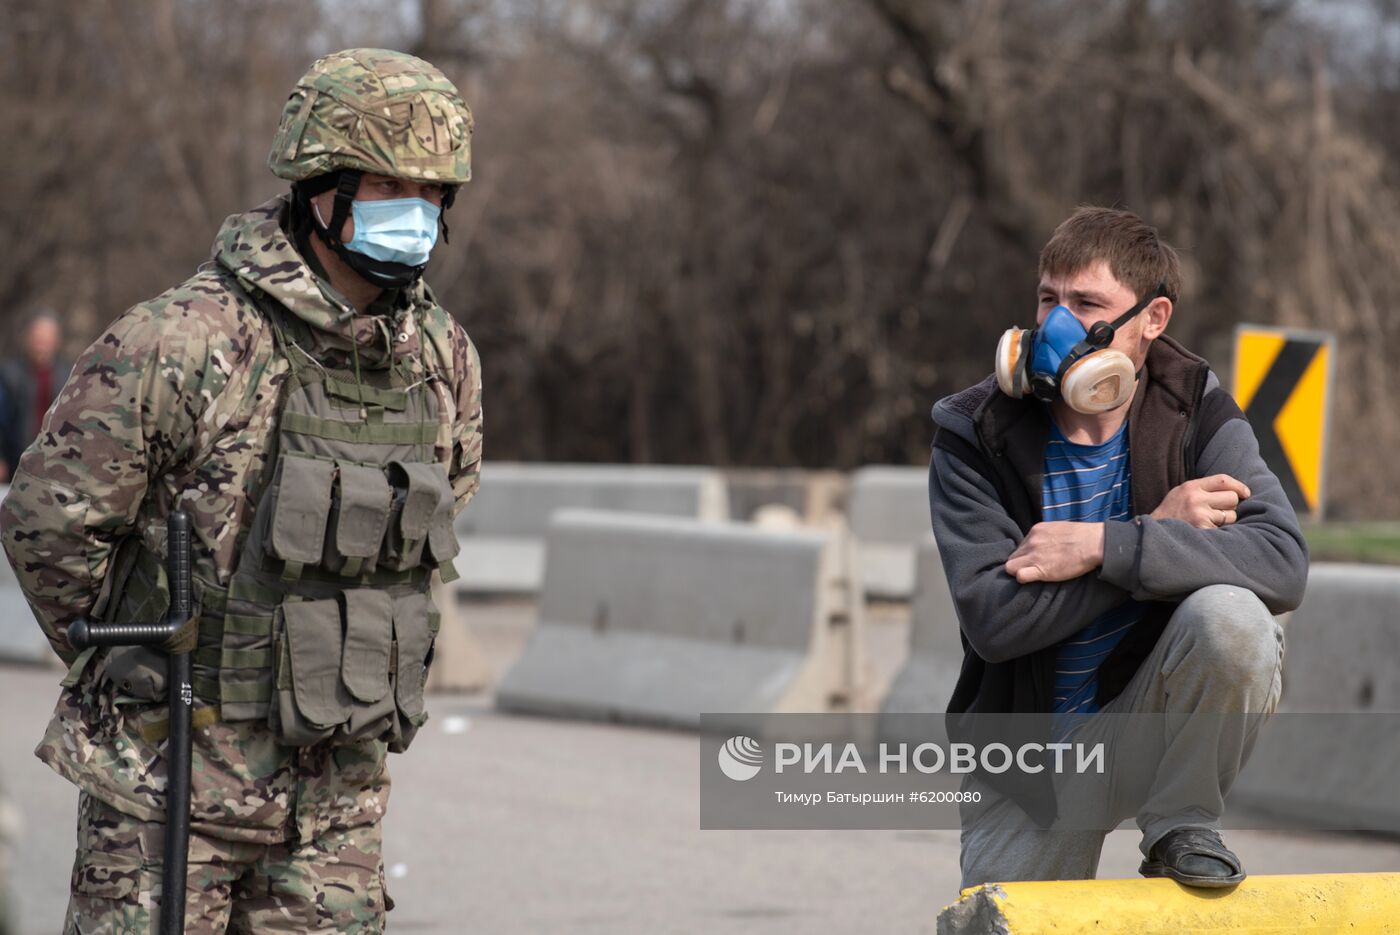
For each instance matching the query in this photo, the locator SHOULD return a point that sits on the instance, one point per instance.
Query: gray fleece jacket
(985, 494)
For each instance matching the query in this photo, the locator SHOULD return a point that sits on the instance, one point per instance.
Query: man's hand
(1206, 503)
(1057, 551)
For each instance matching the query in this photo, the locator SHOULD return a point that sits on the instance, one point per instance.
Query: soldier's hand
(1057, 551)
(1206, 503)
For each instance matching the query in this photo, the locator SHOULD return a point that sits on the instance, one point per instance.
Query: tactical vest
(326, 627)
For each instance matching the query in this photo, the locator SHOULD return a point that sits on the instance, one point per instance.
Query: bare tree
(754, 233)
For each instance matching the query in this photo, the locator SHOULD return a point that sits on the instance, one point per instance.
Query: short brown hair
(1135, 254)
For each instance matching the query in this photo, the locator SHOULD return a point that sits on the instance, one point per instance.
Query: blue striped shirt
(1088, 484)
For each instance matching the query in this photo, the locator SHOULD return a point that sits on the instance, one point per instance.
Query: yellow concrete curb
(1352, 903)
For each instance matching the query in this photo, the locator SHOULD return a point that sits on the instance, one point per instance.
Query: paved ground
(507, 824)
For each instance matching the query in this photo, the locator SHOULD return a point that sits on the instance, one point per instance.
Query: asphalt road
(506, 824)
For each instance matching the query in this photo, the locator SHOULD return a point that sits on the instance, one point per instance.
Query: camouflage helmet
(374, 110)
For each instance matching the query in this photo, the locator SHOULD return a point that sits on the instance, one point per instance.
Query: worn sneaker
(1194, 857)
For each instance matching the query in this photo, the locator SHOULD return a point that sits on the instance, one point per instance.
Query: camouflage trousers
(332, 884)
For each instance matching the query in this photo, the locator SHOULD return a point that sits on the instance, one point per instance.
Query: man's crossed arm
(1065, 549)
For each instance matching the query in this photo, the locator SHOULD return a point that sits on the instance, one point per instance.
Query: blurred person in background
(1114, 543)
(7, 421)
(308, 403)
(32, 379)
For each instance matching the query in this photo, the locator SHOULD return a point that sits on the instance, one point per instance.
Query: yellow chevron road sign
(1283, 382)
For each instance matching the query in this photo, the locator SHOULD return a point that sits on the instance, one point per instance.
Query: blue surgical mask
(395, 230)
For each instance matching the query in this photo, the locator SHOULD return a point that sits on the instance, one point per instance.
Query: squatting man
(1114, 545)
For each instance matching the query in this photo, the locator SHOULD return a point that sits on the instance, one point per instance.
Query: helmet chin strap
(377, 272)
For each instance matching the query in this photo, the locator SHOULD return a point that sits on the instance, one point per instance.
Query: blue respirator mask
(1062, 359)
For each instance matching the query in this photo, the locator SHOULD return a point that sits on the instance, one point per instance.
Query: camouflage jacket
(177, 400)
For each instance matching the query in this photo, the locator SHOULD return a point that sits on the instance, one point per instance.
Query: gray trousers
(1213, 678)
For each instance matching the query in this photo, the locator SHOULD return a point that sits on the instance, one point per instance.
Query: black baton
(179, 698)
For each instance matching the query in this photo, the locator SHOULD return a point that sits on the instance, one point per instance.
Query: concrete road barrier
(1342, 648)
(1344, 641)
(926, 681)
(459, 662)
(887, 508)
(1325, 904)
(502, 530)
(658, 620)
(815, 496)
(21, 640)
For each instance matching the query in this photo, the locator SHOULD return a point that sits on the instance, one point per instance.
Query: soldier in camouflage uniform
(305, 399)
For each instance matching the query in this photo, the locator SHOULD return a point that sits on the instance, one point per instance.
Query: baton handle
(177, 567)
(82, 634)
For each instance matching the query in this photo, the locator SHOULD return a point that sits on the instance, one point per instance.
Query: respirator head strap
(1130, 314)
(1101, 333)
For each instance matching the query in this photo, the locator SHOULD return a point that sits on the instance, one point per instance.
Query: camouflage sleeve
(126, 416)
(466, 442)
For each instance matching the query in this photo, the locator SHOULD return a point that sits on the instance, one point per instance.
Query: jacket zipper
(1193, 421)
